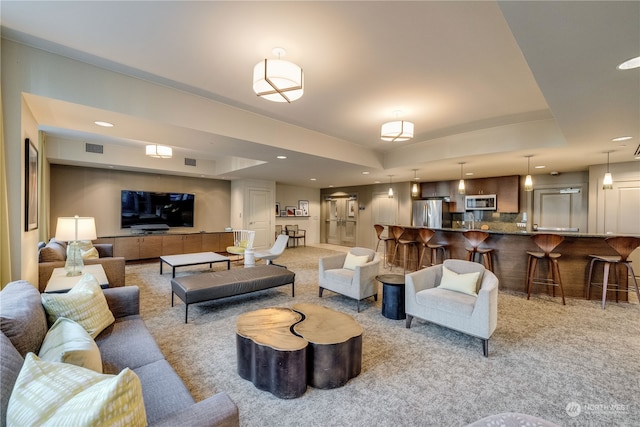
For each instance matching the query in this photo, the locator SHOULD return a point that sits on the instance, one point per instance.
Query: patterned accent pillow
(84, 303)
(68, 342)
(51, 393)
(90, 253)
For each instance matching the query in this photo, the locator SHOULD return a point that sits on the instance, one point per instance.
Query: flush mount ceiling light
(278, 80)
(414, 187)
(528, 182)
(397, 130)
(607, 182)
(630, 64)
(159, 151)
(461, 189)
(103, 124)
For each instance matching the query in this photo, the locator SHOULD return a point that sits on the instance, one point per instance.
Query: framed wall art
(291, 210)
(277, 208)
(351, 208)
(303, 205)
(299, 212)
(31, 186)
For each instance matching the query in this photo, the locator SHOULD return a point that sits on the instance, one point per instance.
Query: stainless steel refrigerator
(431, 213)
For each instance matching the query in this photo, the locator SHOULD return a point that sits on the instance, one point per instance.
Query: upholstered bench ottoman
(225, 283)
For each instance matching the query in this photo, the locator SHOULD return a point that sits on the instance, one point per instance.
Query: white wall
(289, 195)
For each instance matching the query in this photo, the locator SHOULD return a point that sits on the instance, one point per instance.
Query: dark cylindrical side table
(392, 296)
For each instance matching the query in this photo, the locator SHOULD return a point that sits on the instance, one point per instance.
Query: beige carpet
(543, 358)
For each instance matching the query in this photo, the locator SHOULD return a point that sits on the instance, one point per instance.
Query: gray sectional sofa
(126, 343)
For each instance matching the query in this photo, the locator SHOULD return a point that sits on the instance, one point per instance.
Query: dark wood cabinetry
(506, 189)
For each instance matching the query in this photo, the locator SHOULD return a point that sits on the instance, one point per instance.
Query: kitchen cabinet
(506, 189)
(435, 189)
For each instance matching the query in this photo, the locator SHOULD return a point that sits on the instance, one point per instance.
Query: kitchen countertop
(528, 233)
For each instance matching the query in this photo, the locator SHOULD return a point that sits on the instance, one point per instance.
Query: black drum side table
(392, 296)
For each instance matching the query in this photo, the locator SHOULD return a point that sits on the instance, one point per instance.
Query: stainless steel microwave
(481, 202)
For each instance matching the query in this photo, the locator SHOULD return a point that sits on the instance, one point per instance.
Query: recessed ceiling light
(630, 64)
(103, 124)
(312, 179)
(281, 157)
(468, 173)
(540, 167)
(365, 173)
(621, 138)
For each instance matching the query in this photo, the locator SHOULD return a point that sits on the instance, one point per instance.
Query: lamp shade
(278, 80)
(398, 130)
(70, 229)
(159, 151)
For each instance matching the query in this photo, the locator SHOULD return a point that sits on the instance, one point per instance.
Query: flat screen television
(155, 210)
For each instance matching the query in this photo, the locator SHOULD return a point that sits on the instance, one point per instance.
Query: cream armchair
(355, 279)
(459, 309)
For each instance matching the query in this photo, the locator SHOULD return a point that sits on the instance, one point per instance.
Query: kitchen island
(510, 258)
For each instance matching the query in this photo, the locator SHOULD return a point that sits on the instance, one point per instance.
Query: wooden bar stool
(379, 229)
(623, 246)
(406, 243)
(547, 243)
(424, 235)
(475, 238)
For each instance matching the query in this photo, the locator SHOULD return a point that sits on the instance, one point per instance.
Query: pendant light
(461, 189)
(528, 182)
(414, 187)
(390, 188)
(607, 182)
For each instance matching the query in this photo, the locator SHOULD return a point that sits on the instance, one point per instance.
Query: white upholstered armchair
(459, 301)
(352, 274)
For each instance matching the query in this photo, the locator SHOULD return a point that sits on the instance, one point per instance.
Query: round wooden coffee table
(392, 296)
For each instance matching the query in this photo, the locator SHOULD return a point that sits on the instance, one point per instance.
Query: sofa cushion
(53, 251)
(465, 283)
(85, 303)
(10, 365)
(117, 351)
(68, 342)
(22, 318)
(158, 377)
(446, 300)
(351, 261)
(51, 393)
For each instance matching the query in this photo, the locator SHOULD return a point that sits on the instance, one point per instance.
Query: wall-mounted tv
(156, 210)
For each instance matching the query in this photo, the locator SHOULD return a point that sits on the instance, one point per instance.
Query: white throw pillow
(90, 254)
(55, 394)
(352, 261)
(465, 283)
(84, 303)
(68, 342)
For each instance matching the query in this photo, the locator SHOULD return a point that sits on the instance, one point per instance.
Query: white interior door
(342, 221)
(260, 214)
(621, 208)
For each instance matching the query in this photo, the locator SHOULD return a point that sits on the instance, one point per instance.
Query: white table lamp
(71, 230)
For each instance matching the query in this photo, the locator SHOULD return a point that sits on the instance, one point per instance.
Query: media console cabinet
(145, 246)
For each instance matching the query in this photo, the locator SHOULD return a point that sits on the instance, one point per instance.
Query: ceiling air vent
(189, 162)
(93, 148)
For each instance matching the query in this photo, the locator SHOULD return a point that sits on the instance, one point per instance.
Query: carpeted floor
(543, 358)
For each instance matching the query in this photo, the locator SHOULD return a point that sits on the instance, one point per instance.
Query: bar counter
(510, 258)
